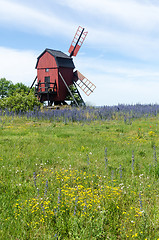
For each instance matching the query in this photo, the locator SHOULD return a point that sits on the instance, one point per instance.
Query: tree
(76, 96)
(14, 97)
(20, 86)
(5, 87)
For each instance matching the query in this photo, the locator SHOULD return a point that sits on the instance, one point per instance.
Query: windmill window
(46, 69)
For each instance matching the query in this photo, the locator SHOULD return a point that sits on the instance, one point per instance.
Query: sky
(120, 54)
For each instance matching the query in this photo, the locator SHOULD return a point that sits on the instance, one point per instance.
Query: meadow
(80, 173)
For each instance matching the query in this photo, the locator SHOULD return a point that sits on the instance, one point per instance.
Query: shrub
(19, 102)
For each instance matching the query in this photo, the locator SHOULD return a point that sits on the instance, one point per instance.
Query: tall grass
(79, 180)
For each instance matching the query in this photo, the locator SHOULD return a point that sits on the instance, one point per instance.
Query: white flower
(141, 175)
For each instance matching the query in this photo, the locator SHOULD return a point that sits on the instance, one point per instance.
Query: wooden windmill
(56, 75)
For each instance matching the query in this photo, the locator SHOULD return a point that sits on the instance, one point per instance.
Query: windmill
(56, 80)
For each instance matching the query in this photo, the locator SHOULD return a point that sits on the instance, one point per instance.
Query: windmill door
(47, 83)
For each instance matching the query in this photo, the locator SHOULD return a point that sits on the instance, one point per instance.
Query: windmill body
(55, 74)
(49, 83)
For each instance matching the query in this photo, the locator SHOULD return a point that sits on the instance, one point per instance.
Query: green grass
(79, 195)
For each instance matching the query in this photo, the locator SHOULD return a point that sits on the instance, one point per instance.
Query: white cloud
(117, 82)
(22, 16)
(135, 14)
(17, 66)
(127, 27)
(113, 90)
(126, 70)
(120, 24)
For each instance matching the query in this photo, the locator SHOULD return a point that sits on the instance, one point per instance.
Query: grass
(96, 180)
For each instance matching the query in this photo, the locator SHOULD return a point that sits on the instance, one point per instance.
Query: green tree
(20, 86)
(76, 95)
(5, 87)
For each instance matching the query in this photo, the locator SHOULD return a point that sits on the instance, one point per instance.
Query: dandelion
(135, 235)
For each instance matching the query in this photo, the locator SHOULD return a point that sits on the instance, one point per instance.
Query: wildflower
(106, 160)
(135, 235)
(120, 171)
(133, 160)
(87, 159)
(140, 201)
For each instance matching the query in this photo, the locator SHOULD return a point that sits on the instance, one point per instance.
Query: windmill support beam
(68, 89)
(32, 85)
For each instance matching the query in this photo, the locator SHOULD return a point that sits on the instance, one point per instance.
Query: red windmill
(55, 75)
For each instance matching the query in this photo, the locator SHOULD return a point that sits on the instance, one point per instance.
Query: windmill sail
(86, 85)
(77, 41)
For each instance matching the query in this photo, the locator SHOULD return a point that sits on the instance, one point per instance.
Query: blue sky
(120, 54)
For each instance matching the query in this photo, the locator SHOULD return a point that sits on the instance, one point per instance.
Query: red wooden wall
(47, 61)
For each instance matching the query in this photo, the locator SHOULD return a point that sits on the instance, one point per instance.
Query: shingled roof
(62, 60)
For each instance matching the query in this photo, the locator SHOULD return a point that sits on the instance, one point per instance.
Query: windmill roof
(57, 53)
(62, 59)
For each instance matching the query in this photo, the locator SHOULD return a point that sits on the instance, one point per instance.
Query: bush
(19, 101)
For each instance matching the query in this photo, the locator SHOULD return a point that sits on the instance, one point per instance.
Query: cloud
(124, 43)
(125, 70)
(112, 90)
(118, 82)
(135, 14)
(31, 18)
(128, 28)
(17, 66)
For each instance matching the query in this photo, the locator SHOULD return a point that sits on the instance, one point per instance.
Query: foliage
(19, 87)
(19, 102)
(76, 96)
(79, 180)
(7, 88)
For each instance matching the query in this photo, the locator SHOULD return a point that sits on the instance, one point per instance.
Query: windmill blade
(77, 41)
(81, 81)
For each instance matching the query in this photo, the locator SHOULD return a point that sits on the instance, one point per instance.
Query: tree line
(16, 97)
